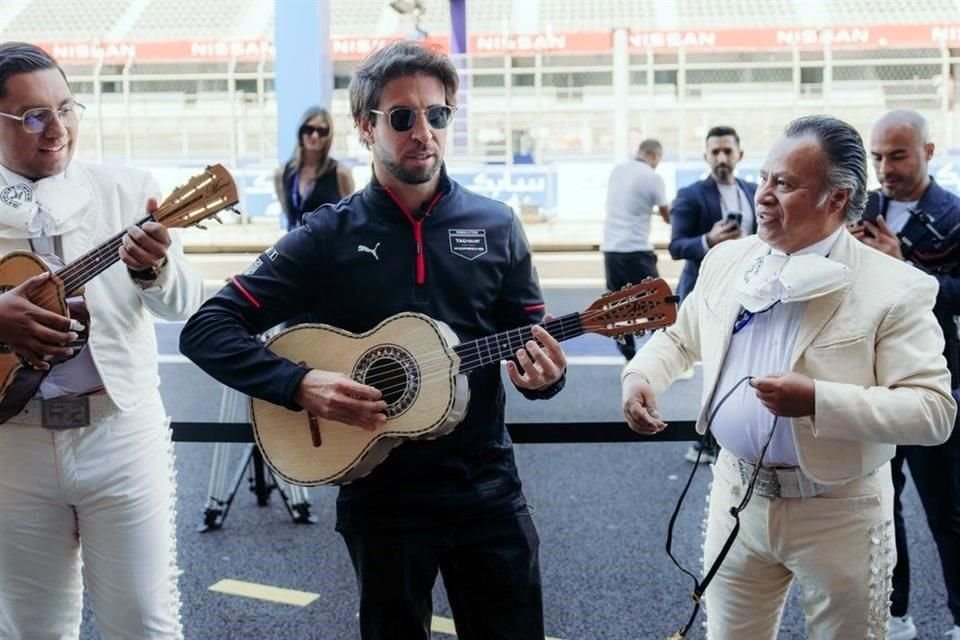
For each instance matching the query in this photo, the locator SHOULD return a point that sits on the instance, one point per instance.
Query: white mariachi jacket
(122, 340)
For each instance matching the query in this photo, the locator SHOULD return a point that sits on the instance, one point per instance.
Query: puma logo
(364, 249)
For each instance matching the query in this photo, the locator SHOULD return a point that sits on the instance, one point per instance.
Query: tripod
(262, 481)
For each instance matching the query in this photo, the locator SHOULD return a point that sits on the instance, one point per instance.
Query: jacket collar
(713, 202)
(819, 310)
(933, 199)
(381, 199)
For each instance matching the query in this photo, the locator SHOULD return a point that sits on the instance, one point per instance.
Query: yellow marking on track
(445, 625)
(264, 592)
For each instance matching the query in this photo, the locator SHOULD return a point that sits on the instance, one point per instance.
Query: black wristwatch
(149, 274)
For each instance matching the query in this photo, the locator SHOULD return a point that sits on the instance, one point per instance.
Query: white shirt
(78, 375)
(734, 200)
(897, 214)
(632, 192)
(761, 348)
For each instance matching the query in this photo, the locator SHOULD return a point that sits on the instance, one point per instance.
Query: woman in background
(311, 178)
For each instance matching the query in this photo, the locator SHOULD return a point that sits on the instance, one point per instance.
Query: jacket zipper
(417, 231)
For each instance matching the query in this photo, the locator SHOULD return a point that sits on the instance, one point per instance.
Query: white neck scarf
(52, 206)
(781, 278)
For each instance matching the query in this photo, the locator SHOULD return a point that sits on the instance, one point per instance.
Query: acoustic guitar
(420, 367)
(202, 197)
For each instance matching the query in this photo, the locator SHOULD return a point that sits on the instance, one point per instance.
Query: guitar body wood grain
(17, 267)
(409, 357)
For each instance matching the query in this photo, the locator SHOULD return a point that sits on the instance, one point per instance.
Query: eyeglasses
(402, 119)
(37, 120)
(309, 130)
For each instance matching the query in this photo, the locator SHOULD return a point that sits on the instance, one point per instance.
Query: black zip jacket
(463, 260)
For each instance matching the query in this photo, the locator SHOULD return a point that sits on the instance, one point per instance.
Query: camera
(736, 218)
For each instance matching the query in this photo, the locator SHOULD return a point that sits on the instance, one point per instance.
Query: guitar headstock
(204, 195)
(633, 309)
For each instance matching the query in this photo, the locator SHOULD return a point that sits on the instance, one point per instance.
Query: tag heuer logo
(16, 195)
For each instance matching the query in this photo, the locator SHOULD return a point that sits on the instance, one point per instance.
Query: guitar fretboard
(93, 263)
(502, 346)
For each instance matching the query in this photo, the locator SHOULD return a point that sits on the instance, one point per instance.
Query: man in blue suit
(713, 210)
(716, 209)
(913, 218)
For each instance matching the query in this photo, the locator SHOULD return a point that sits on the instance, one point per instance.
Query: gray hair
(846, 155)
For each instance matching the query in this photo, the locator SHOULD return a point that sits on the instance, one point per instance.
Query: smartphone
(859, 225)
(735, 218)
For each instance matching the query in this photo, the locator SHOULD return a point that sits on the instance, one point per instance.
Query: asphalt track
(601, 510)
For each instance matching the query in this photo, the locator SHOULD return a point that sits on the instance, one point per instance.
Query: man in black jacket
(912, 218)
(412, 240)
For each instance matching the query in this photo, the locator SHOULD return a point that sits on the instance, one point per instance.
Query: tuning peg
(640, 333)
(626, 286)
(200, 226)
(217, 218)
(622, 340)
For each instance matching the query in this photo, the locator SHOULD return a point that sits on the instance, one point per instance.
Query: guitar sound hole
(395, 372)
(389, 377)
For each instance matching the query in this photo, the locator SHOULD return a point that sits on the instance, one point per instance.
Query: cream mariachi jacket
(122, 338)
(873, 349)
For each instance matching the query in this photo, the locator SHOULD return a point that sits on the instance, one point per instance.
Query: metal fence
(531, 108)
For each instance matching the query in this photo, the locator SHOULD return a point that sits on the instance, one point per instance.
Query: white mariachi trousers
(98, 499)
(838, 546)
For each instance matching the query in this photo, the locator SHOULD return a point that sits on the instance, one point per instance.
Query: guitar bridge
(315, 430)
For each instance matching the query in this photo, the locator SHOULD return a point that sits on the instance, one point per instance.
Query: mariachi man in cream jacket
(86, 469)
(838, 341)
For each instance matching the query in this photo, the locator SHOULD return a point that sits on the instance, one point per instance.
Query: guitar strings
(467, 363)
(102, 258)
(490, 341)
(395, 381)
(428, 372)
(190, 195)
(471, 360)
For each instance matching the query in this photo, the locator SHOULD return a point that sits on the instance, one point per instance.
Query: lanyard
(745, 317)
(295, 198)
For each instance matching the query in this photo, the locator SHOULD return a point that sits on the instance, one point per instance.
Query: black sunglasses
(402, 119)
(309, 130)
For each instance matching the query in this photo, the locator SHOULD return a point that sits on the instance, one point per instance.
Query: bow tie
(780, 278)
(49, 207)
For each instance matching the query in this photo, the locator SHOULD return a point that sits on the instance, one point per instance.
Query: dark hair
(719, 132)
(650, 146)
(397, 60)
(22, 57)
(846, 154)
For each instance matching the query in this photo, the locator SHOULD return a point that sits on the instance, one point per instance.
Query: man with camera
(912, 218)
(706, 213)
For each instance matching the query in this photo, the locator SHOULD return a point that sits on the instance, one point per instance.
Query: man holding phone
(713, 210)
(706, 213)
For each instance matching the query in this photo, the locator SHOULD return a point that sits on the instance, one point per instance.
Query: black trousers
(936, 474)
(490, 569)
(629, 268)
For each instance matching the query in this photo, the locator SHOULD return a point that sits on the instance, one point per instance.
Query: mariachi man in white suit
(98, 483)
(843, 358)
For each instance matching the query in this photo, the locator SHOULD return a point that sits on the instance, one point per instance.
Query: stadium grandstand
(552, 88)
